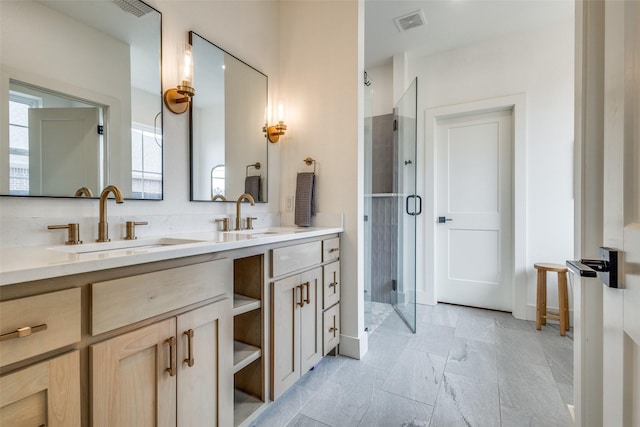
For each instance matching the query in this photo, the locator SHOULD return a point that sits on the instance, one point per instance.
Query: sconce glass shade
(178, 99)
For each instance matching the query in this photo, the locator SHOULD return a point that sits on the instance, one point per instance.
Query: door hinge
(100, 130)
(395, 124)
(394, 284)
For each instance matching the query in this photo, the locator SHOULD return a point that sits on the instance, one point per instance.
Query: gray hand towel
(305, 204)
(252, 186)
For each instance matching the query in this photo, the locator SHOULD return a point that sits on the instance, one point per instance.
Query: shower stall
(391, 206)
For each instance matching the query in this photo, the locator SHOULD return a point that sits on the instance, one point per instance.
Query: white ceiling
(452, 24)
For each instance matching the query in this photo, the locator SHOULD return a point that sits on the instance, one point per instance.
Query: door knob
(443, 219)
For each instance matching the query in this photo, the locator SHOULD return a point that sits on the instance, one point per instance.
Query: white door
(474, 210)
(64, 150)
(621, 216)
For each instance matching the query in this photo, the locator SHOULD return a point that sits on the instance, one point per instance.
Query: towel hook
(309, 161)
(256, 165)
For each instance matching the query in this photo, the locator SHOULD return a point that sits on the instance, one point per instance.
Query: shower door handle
(415, 197)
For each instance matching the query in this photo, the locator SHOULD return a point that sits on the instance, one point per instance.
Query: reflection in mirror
(227, 117)
(84, 98)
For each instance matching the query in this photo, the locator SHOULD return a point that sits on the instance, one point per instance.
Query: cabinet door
(285, 329)
(205, 366)
(311, 319)
(133, 384)
(47, 393)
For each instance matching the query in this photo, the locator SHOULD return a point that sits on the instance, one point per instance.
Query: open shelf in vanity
(248, 336)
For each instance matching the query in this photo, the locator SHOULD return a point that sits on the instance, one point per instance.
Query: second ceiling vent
(410, 20)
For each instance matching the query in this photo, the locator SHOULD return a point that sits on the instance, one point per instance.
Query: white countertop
(25, 264)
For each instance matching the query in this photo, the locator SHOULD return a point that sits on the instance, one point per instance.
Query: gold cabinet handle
(23, 332)
(333, 250)
(333, 329)
(308, 299)
(189, 360)
(172, 356)
(301, 301)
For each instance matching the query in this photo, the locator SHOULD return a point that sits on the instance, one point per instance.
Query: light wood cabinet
(174, 372)
(248, 338)
(296, 328)
(45, 393)
(36, 324)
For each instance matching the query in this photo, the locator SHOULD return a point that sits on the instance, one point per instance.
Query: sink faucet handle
(131, 229)
(225, 223)
(74, 232)
(250, 222)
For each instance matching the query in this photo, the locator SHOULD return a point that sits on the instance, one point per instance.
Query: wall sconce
(274, 132)
(177, 99)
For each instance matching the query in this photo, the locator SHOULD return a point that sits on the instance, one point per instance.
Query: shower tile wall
(384, 214)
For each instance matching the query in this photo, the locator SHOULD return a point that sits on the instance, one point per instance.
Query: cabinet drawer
(296, 257)
(330, 249)
(330, 329)
(121, 302)
(331, 284)
(59, 311)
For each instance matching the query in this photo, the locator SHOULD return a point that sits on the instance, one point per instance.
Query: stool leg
(563, 303)
(541, 305)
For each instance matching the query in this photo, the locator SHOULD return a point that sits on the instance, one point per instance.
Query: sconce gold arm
(274, 132)
(178, 99)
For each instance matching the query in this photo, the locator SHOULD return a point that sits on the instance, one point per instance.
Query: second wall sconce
(178, 99)
(274, 132)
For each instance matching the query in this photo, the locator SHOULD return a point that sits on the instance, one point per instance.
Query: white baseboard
(354, 347)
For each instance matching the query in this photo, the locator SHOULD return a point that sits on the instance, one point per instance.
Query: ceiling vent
(134, 7)
(410, 20)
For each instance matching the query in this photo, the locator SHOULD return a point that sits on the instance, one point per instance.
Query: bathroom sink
(132, 246)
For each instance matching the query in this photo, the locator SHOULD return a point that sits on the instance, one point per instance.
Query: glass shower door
(408, 204)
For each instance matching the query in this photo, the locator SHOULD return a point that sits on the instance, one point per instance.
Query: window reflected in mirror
(84, 98)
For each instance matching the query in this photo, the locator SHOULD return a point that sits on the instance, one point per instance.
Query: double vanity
(176, 330)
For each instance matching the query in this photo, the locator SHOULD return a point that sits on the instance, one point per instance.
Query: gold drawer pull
(23, 332)
(189, 360)
(333, 284)
(332, 329)
(333, 250)
(172, 359)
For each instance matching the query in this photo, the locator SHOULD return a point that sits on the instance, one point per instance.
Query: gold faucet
(83, 191)
(103, 226)
(242, 197)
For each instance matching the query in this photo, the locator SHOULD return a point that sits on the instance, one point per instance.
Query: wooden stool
(542, 314)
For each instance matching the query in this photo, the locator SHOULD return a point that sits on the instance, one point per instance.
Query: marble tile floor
(463, 367)
(378, 313)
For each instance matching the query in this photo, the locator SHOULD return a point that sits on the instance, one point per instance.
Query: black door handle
(607, 266)
(414, 213)
(443, 219)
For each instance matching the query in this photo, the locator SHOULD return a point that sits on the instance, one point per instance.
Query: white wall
(540, 64)
(321, 63)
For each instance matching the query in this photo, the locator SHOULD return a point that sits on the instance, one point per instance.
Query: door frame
(516, 103)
